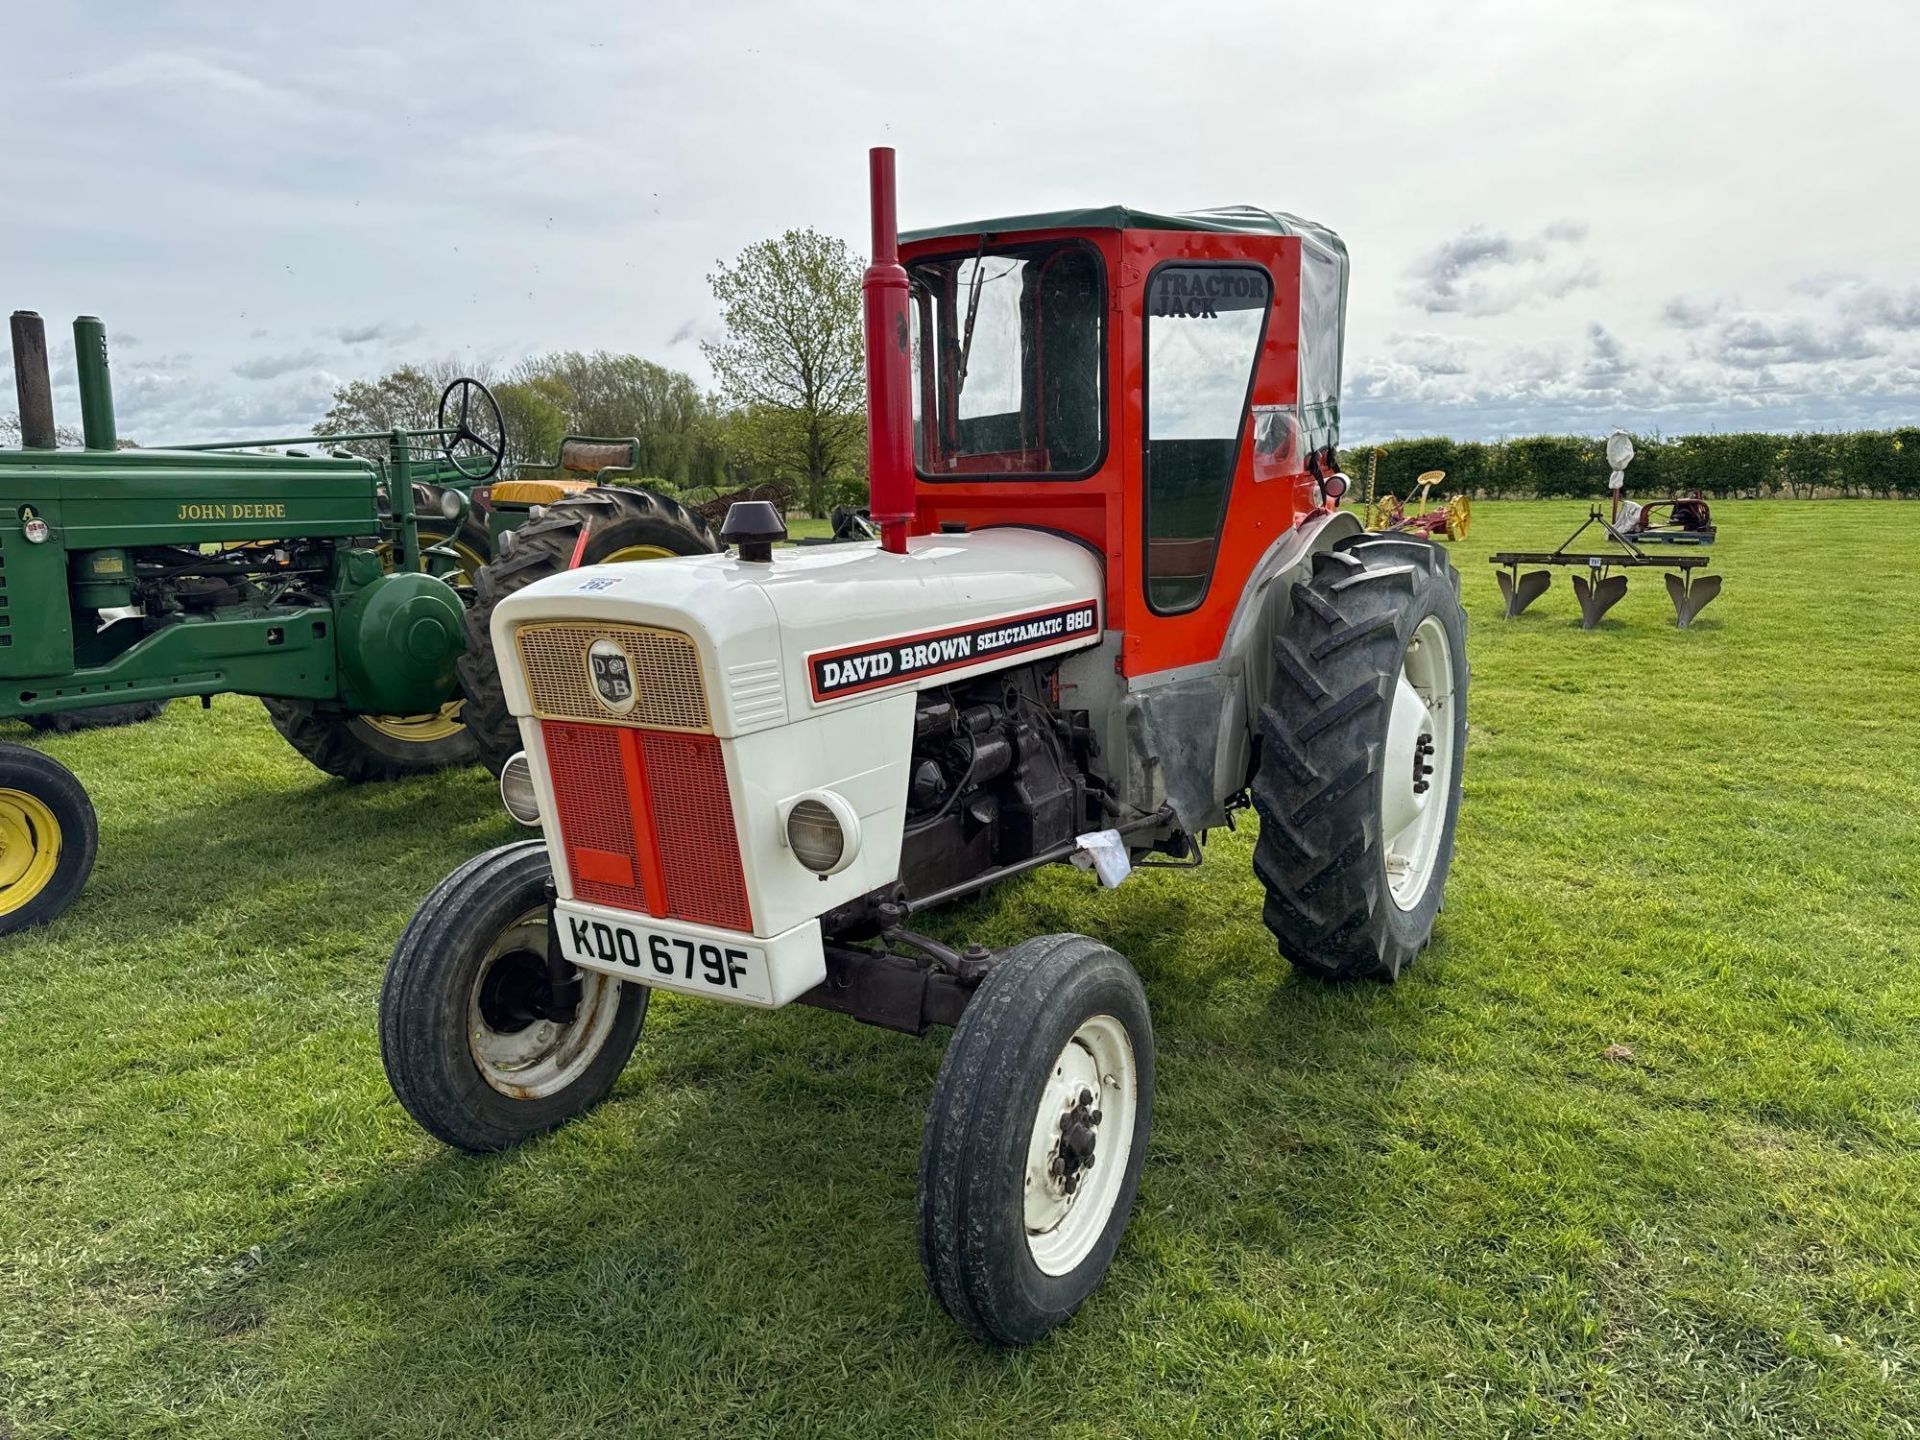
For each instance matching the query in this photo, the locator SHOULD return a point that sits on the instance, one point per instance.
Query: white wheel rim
(1065, 1218)
(1419, 763)
(540, 1057)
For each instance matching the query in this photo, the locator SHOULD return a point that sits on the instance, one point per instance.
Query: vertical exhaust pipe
(889, 368)
(96, 386)
(32, 382)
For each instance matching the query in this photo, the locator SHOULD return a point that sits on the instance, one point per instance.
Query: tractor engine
(998, 776)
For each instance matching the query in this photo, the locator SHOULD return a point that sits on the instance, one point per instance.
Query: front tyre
(1034, 1139)
(1361, 743)
(48, 838)
(466, 1035)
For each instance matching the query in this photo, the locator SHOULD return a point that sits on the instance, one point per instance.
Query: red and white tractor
(1113, 600)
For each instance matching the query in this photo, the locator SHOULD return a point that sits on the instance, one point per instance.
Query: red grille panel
(596, 826)
(639, 805)
(693, 818)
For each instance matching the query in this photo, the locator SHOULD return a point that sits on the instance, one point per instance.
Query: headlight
(823, 832)
(453, 505)
(517, 792)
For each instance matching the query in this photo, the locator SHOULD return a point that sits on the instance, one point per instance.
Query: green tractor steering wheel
(485, 447)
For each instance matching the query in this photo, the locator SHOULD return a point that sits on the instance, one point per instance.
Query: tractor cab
(1164, 388)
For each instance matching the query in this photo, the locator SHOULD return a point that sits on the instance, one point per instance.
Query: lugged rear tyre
(97, 717)
(620, 524)
(1347, 754)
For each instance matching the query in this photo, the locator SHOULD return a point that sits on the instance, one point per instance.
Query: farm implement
(1599, 589)
(335, 586)
(1416, 515)
(1111, 603)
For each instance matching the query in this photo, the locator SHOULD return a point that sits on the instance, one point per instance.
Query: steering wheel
(485, 446)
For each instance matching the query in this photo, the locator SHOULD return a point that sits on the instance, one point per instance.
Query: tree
(621, 395)
(403, 399)
(792, 361)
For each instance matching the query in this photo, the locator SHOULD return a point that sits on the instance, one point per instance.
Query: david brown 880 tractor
(1112, 602)
(334, 586)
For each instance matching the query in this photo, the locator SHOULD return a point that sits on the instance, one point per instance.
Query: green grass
(1431, 1209)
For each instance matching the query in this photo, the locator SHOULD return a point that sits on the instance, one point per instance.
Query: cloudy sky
(1678, 215)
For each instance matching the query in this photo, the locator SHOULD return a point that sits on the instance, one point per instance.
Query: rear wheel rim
(441, 724)
(518, 1053)
(1076, 1164)
(636, 552)
(29, 849)
(1417, 783)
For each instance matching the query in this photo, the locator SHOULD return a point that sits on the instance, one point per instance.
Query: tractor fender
(1188, 732)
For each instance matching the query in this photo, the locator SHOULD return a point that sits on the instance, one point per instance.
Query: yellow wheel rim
(636, 552)
(441, 724)
(29, 848)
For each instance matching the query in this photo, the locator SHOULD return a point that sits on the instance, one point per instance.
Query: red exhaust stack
(889, 368)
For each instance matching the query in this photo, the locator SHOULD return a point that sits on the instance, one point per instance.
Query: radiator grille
(596, 824)
(668, 694)
(646, 822)
(693, 818)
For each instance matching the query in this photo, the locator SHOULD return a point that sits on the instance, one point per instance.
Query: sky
(1676, 216)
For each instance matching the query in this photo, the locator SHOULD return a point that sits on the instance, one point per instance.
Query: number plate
(725, 970)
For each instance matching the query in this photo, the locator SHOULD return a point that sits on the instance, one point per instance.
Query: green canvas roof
(1228, 219)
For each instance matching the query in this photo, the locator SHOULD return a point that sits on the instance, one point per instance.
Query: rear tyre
(1034, 1139)
(359, 748)
(465, 1036)
(620, 525)
(99, 717)
(48, 838)
(1361, 742)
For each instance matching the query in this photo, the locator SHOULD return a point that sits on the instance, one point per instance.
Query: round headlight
(453, 505)
(517, 792)
(823, 833)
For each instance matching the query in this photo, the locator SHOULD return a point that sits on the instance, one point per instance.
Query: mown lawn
(1433, 1209)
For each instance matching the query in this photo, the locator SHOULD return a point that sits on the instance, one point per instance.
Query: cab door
(1212, 329)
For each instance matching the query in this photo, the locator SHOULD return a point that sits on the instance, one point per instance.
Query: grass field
(1438, 1208)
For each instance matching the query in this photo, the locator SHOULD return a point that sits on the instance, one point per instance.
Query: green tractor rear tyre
(48, 838)
(359, 748)
(620, 524)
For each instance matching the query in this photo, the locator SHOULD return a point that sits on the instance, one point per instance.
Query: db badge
(612, 675)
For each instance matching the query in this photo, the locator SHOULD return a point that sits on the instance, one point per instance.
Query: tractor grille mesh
(666, 675)
(630, 803)
(596, 824)
(693, 818)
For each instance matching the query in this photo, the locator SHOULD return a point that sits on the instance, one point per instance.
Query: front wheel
(1034, 1139)
(48, 837)
(1361, 743)
(468, 1031)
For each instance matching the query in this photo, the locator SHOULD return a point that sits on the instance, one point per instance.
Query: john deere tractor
(333, 585)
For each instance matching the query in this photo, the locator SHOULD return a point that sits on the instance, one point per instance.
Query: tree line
(788, 413)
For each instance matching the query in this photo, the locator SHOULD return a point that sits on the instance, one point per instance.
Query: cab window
(1204, 326)
(1008, 350)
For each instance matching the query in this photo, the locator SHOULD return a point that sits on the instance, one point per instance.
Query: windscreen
(1008, 347)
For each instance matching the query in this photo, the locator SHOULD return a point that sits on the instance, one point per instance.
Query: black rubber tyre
(1323, 737)
(616, 519)
(974, 1245)
(356, 749)
(432, 1010)
(98, 717)
(29, 781)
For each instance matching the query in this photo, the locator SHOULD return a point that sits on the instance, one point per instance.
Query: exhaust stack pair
(33, 383)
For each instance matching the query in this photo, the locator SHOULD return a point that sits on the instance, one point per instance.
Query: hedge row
(1879, 463)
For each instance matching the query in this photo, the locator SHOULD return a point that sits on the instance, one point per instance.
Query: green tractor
(350, 592)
